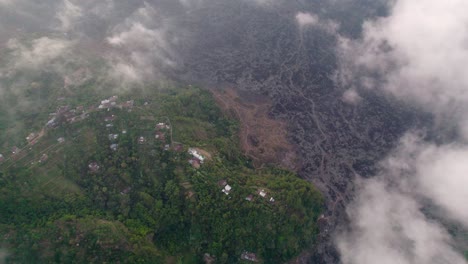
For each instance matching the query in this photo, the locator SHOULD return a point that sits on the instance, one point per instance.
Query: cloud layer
(417, 54)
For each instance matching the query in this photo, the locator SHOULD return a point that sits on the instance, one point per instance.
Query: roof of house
(222, 183)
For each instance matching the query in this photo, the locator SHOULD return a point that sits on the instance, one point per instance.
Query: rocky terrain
(262, 50)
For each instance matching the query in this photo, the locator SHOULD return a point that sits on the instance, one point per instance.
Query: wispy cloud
(68, 15)
(41, 51)
(307, 19)
(417, 54)
(142, 45)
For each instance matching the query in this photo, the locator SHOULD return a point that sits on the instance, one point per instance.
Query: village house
(108, 103)
(227, 189)
(93, 167)
(160, 136)
(272, 200)
(109, 125)
(44, 158)
(167, 147)
(113, 136)
(249, 198)
(222, 183)
(262, 193)
(141, 140)
(61, 140)
(15, 150)
(51, 123)
(208, 259)
(31, 137)
(128, 104)
(196, 155)
(177, 147)
(195, 163)
(162, 126)
(114, 147)
(249, 256)
(2, 158)
(126, 190)
(110, 118)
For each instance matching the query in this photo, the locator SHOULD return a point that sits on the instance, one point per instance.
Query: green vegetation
(146, 203)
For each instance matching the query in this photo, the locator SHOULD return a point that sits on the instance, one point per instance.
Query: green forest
(115, 185)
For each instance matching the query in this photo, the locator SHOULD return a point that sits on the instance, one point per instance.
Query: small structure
(160, 136)
(197, 155)
(51, 123)
(110, 118)
(262, 193)
(227, 189)
(114, 147)
(161, 126)
(44, 158)
(109, 125)
(124, 131)
(93, 167)
(128, 104)
(31, 137)
(15, 150)
(141, 140)
(208, 259)
(249, 198)
(249, 256)
(113, 136)
(126, 190)
(195, 163)
(222, 183)
(2, 158)
(177, 147)
(272, 200)
(61, 140)
(167, 147)
(107, 103)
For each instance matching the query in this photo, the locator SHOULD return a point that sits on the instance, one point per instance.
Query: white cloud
(442, 176)
(388, 227)
(143, 46)
(68, 15)
(420, 51)
(351, 96)
(418, 54)
(40, 52)
(306, 19)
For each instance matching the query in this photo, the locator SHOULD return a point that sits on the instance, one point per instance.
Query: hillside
(146, 177)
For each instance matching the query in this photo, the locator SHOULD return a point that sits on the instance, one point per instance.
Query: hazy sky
(418, 55)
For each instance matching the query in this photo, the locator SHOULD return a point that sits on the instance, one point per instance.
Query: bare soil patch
(262, 138)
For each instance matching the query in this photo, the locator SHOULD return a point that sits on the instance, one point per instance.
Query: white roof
(227, 187)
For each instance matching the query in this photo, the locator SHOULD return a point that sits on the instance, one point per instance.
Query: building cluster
(93, 167)
(249, 256)
(263, 194)
(111, 102)
(66, 114)
(226, 187)
(197, 159)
